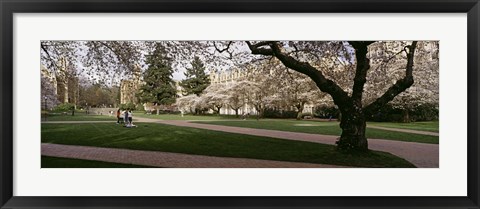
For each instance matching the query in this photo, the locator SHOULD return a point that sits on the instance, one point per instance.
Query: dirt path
(165, 159)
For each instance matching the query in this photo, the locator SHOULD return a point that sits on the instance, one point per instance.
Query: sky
(179, 70)
(179, 75)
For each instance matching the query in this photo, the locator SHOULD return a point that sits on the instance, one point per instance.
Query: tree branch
(116, 53)
(399, 86)
(49, 57)
(339, 96)
(363, 65)
(224, 49)
(255, 48)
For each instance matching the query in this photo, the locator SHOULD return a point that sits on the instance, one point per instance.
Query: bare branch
(224, 49)
(49, 57)
(399, 86)
(339, 96)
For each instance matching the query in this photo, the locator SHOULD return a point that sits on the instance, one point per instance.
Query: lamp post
(45, 104)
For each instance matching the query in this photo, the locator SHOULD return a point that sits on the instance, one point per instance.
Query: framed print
(266, 104)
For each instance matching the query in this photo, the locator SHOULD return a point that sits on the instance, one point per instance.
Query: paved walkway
(405, 130)
(420, 154)
(165, 159)
(114, 120)
(386, 128)
(93, 121)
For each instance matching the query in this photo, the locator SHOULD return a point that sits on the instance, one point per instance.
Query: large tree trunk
(259, 112)
(74, 101)
(65, 91)
(352, 114)
(406, 115)
(236, 112)
(353, 126)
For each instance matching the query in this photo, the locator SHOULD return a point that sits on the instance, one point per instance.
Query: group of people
(126, 119)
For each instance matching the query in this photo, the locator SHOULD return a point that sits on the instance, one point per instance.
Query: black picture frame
(9, 7)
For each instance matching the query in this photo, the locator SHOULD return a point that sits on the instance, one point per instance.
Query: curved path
(405, 130)
(420, 154)
(165, 159)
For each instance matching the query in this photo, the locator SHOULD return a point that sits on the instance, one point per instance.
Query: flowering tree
(236, 95)
(49, 93)
(353, 111)
(189, 103)
(297, 90)
(214, 96)
(260, 88)
(359, 76)
(388, 63)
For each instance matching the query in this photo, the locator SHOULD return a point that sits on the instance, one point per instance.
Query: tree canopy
(359, 77)
(158, 85)
(196, 78)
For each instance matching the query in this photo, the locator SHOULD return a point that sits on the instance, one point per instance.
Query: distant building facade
(130, 87)
(228, 77)
(235, 75)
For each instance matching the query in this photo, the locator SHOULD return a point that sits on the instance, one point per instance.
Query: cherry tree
(348, 71)
(215, 97)
(189, 103)
(237, 96)
(297, 89)
(48, 90)
(260, 87)
(388, 63)
(353, 111)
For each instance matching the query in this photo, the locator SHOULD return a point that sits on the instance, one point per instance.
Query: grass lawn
(431, 126)
(186, 117)
(79, 117)
(159, 137)
(327, 128)
(58, 162)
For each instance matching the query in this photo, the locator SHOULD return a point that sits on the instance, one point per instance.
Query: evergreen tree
(159, 87)
(196, 78)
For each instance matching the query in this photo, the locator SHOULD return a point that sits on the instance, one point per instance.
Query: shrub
(275, 113)
(326, 112)
(167, 112)
(64, 107)
(139, 107)
(426, 112)
(130, 106)
(388, 113)
(306, 114)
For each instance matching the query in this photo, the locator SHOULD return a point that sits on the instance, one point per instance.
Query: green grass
(326, 128)
(186, 117)
(159, 137)
(431, 126)
(58, 162)
(79, 117)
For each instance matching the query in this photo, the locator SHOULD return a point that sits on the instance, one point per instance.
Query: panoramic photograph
(239, 104)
